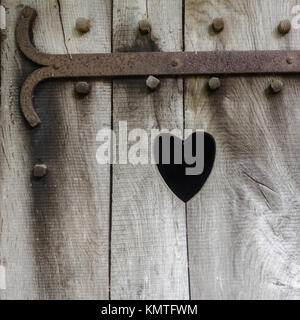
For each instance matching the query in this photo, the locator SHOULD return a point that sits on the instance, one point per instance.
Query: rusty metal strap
(140, 63)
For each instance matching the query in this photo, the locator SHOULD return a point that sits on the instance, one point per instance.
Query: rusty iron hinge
(140, 63)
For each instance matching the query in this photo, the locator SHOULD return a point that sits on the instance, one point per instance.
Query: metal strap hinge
(140, 63)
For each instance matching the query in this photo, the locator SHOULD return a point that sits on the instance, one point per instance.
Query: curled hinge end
(27, 93)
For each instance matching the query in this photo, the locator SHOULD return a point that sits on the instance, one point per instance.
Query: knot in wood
(276, 86)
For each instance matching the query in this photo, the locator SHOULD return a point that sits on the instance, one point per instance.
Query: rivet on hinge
(144, 26)
(82, 88)
(214, 83)
(218, 24)
(83, 25)
(284, 27)
(40, 170)
(3, 22)
(289, 60)
(152, 83)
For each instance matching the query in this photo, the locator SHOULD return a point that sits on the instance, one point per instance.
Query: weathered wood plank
(149, 254)
(54, 235)
(243, 226)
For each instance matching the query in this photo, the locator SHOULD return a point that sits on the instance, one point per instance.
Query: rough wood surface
(88, 231)
(149, 253)
(243, 228)
(54, 232)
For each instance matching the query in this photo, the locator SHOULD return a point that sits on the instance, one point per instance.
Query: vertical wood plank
(243, 226)
(54, 235)
(16, 241)
(149, 255)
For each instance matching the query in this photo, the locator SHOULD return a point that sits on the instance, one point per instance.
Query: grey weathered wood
(243, 236)
(54, 232)
(243, 227)
(149, 253)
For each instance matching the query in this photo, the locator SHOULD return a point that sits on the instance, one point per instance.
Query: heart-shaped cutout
(185, 165)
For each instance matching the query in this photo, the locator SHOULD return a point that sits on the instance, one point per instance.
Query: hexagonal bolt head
(284, 27)
(276, 86)
(152, 83)
(218, 24)
(214, 83)
(83, 25)
(40, 170)
(144, 26)
(82, 88)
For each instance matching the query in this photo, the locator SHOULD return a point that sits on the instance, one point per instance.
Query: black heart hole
(185, 165)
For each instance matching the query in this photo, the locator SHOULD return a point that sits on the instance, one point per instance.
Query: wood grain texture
(243, 227)
(57, 235)
(54, 234)
(149, 253)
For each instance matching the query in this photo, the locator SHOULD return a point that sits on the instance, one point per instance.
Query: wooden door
(90, 231)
